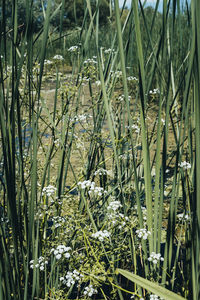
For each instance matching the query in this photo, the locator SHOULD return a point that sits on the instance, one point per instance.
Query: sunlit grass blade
(196, 207)
(150, 286)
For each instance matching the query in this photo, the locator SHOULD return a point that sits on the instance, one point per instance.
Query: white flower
(136, 128)
(185, 165)
(101, 235)
(85, 184)
(154, 92)
(58, 221)
(183, 217)
(58, 57)
(118, 74)
(48, 190)
(60, 251)
(109, 50)
(121, 98)
(155, 258)
(95, 190)
(38, 263)
(98, 82)
(67, 255)
(47, 62)
(70, 278)
(143, 233)
(73, 49)
(155, 297)
(163, 121)
(114, 205)
(90, 61)
(81, 118)
(131, 78)
(58, 256)
(89, 291)
(101, 171)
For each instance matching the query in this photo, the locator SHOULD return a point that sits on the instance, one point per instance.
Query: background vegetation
(99, 157)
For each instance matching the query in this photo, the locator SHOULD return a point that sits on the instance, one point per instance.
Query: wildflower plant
(155, 258)
(61, 251)
(101, 235)
(84, 194)
(143, 233)
(71, 278)
(38, 263)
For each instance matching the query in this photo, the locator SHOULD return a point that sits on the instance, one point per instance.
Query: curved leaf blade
(150, 286)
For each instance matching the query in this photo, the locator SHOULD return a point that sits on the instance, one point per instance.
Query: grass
(99, 156)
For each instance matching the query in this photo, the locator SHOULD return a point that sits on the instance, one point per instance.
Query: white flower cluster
(98, 82)
(48, 190)
(123, 219)
(118, 74)
(155, 297)
(58, 221)
(116, 216)
(133, 297)
(61, 251)
(47, 62)
(38, 263)
(163, 121)
(134, 127)
(114, 205)
(183, 217)
(90, 61)
(154, 92)
(95, 190)
(80, 118)
(109, 50)
(71, 278)
(73, 49)
(155, 258)
(101, 171)
(89, 291)
(144, 212)
(85, 184)
(121, 98)
(58, 57)
(143, 233)
(101, 235)
(131, 78)
(185, 165)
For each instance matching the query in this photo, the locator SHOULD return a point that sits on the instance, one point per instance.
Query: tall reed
(140, 97)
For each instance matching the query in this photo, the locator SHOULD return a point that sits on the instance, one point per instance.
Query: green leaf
(150, 286)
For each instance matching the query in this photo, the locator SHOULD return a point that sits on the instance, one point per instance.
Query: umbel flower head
(38, 263)
(101, 235)
(143, 233)
(58, 57)
(89, 291)
(48, 190)
(155, 258)
(61, 251)
(71, 278)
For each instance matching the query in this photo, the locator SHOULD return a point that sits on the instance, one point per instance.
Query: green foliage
(76, 11)
(99, 151)
(152, 287)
